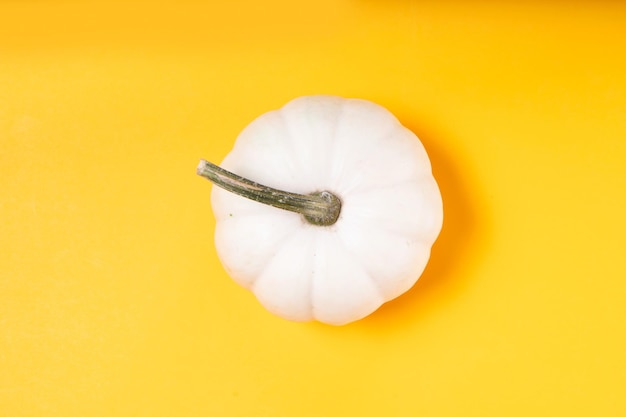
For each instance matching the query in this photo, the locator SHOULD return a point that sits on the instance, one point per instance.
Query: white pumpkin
(364, 241)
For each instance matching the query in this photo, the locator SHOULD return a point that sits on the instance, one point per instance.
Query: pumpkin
(340, 210)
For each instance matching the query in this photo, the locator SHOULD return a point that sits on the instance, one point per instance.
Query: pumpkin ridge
(284, 159)
(376, 220)
(404, 234)
(292, 234)
(292, 155)
(360, 190)
(280, 249)
(318, 257)
(338, 170)
(368, 273)
(332, 152)
(229, 260)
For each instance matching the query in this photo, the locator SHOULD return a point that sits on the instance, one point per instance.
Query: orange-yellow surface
(112, 299)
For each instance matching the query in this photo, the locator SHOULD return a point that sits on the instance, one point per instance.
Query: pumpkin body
(390, 216)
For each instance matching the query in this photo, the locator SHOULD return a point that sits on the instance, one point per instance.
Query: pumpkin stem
(320, 208)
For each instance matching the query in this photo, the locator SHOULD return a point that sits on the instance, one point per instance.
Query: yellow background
(112, 299)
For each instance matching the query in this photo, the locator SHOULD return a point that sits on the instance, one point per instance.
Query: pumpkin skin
(391, 210)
